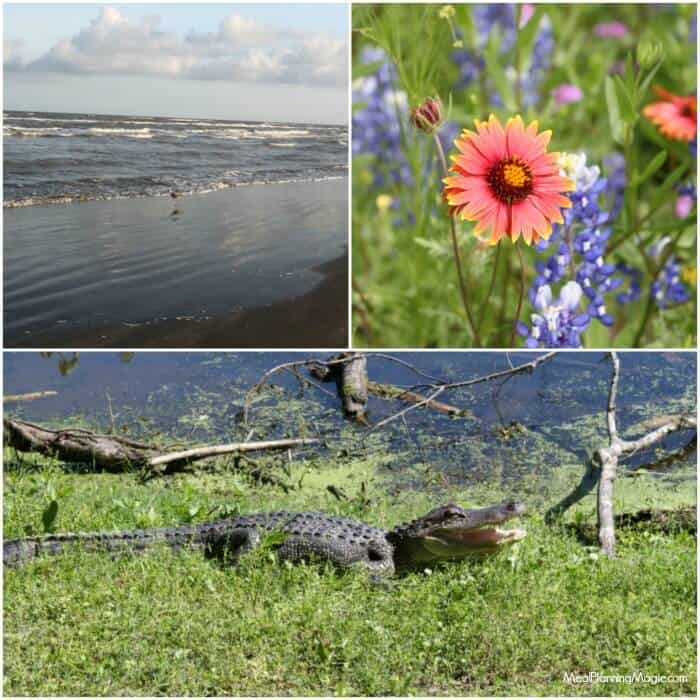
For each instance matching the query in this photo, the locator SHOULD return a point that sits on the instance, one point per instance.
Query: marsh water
(536, 425)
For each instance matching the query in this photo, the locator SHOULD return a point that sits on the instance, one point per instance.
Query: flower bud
(648, 52)
(428, 116)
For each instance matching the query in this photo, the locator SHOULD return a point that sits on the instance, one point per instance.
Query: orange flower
(676, 116)
(505, 180)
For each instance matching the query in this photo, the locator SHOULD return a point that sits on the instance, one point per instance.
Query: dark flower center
(510, 179)
(689, 111)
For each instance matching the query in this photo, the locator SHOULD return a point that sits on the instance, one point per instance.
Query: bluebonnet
(556, 323)
(377, 126)
(667, 288)
(580, 250)
(471, 64)
(634, 290)
(617, 181)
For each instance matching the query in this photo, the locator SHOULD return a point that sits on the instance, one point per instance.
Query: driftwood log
(117, 453)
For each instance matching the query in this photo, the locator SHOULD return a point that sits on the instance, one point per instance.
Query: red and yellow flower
(507, 182)
(676, 116)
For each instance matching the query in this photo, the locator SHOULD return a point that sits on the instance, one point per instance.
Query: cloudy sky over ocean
(259, 62)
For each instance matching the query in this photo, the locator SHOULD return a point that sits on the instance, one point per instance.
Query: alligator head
(451, 532)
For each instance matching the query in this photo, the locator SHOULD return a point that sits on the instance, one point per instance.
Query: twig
(278, 368)
(33, 396)
(388, 391)
(525, 367)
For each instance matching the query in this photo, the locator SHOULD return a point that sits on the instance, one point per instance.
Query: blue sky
(283, 62)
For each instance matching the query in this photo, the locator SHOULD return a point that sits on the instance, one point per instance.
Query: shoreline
(316, 319)
(65, 200)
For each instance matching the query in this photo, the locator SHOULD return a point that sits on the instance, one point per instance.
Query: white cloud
(240, 50)
(12, 54)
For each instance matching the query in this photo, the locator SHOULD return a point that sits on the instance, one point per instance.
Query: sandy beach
(256, 266)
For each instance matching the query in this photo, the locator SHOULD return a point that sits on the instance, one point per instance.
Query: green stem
(463, 282)
(520, 296)
(492, 283)
(500, 324)
(516, 60)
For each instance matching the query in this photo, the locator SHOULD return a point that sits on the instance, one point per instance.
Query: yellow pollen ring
(515, 175)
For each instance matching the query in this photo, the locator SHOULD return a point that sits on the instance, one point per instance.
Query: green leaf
(363, 69)
(624, 100)
(358, 105)
(495, 71)
(48, 517)
(616, 123)
(438, 248)
(656, 162)
(649, 77)
(629, 78)
(663, 191)
(526, 35)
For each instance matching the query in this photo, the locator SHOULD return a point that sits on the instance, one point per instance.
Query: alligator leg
(229, 545)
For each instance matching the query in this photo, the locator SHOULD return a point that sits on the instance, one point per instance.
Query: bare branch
(33, 396)
(612, 397)
(439, 389)
(196, 453)
(609, 457)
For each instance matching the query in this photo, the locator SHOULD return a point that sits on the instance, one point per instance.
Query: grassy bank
(90, 624)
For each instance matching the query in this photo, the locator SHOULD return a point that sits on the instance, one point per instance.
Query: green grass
(164, 624)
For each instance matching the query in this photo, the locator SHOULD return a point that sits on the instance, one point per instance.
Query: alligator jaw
(484, 536)
(454, 543)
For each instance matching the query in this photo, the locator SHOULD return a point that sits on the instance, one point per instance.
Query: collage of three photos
(349, 349)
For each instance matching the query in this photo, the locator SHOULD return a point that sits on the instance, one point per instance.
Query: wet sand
(317, 319)
(252, 267)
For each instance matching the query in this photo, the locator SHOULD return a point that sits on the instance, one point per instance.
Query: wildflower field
(524, 175)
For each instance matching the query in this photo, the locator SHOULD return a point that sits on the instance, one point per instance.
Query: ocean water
(62, 158)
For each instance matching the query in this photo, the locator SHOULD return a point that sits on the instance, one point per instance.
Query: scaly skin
(448, 532)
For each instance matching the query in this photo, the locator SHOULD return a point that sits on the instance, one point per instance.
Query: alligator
(446, 533)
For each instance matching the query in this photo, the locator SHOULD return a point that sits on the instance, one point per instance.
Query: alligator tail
(21, 551)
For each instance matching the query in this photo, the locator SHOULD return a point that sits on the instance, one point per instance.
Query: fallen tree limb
(33, 396)
(196, 453)
(389, 391)
(116, 453)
